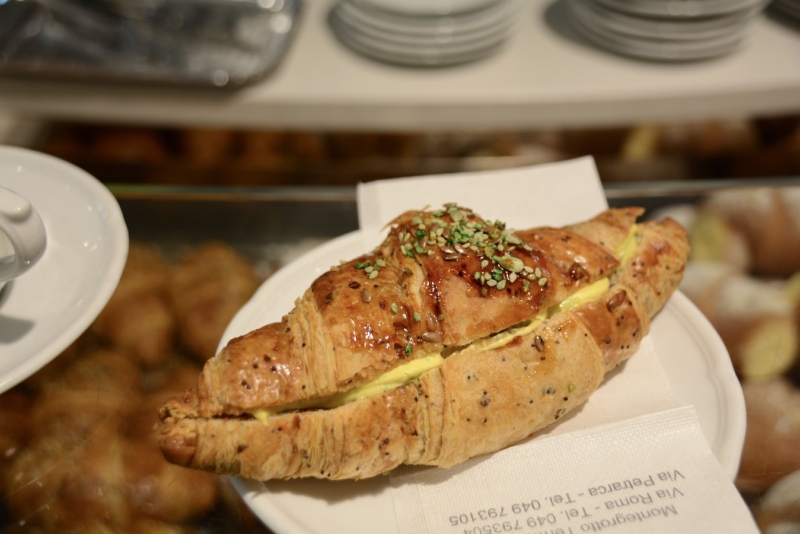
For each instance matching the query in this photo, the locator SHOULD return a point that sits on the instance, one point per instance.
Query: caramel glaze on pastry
(515, 352)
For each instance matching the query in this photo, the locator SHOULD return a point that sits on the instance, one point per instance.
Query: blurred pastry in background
(773, 432)
(92, 461)
(151, 526)
(207, 288)
(131, 145)
(755, 318)
(769, 220)
(70, 474)
(64, 481)
(208, 146)
(162, 491)
(57, 365)
(263, 148)
(307, 147)
(78, 443)
(778, 511)
(15, 429)
(97, 383)
(713, 238)
(155, 488)
(138, 320)
(708, 139)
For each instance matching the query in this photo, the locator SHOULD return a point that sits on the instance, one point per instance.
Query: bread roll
(63, 482)
(207, 288)
(138, 320)
(769, 220)
(773, 432)
(15, 429)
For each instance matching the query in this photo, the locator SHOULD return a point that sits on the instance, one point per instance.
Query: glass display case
(101, 469)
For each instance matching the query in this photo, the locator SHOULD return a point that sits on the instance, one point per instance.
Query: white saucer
(692, 356)
(47, 308)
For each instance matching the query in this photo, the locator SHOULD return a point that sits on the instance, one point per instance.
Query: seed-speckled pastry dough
(356, 323)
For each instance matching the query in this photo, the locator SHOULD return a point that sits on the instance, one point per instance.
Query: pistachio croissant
(454, 338)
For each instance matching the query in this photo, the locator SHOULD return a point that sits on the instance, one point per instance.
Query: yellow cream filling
(403, 374)
(397, 377)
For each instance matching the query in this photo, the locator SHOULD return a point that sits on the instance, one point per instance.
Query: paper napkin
(631, 459)
(654, 473)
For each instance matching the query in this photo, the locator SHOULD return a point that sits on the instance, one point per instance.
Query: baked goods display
(79, 446)
(743, 274)
(714, 149)
(454, 338)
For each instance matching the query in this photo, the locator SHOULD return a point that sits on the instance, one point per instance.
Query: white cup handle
(24, 230)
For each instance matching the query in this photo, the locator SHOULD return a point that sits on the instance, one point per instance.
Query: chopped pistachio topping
(454, 232)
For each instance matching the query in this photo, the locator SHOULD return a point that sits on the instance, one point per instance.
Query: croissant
(455, 338)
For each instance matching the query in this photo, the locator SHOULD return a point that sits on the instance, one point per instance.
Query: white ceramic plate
(427, 7)
(431, 57)
(47, 308)
(682, 29)
(690, 352)
(430, 26)
(419, 49)
(659, 50)
(445, 37)
(680, 8)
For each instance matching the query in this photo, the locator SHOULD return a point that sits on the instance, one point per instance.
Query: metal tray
(202, 43)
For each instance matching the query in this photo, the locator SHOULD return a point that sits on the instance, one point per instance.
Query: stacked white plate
(424, 33)
(790, 8)
(666, 30)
